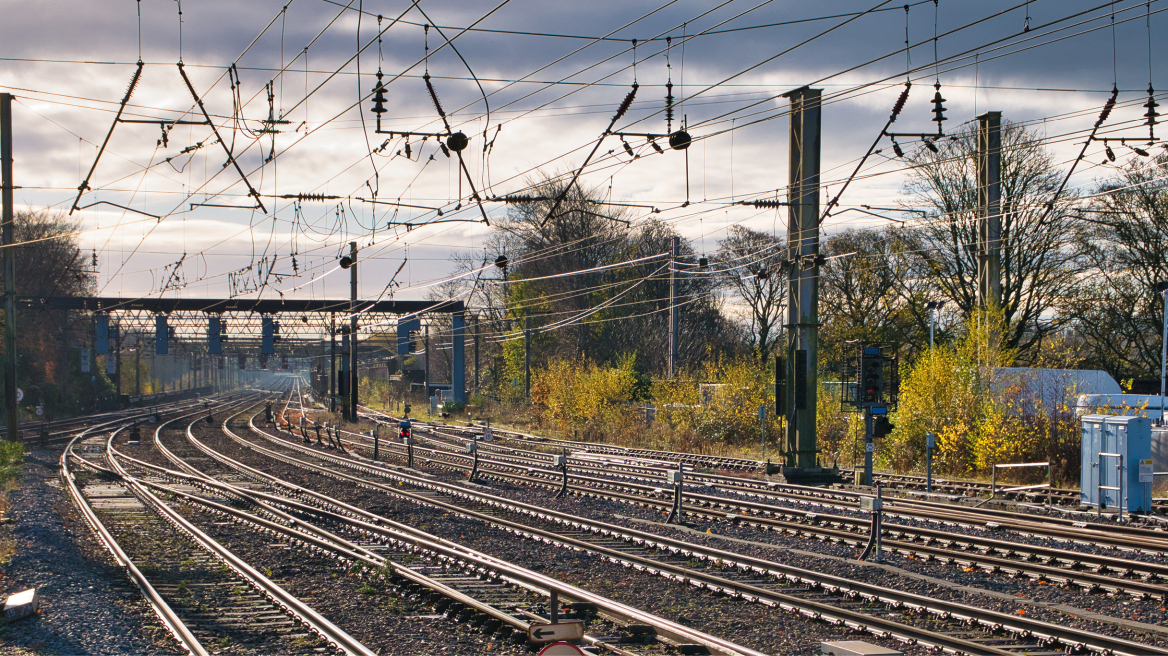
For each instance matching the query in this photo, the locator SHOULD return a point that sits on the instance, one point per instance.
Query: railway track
(1020, 635)
(210, 600)
(502, 604)
(1094, 572)
(703, 466)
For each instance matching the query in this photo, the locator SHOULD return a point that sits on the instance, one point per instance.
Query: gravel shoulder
(88, 606)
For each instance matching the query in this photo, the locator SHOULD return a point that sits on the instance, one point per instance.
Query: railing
(1020, 465)
(1100, 487)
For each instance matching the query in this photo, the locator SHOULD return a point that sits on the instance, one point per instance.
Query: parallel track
(467, 502)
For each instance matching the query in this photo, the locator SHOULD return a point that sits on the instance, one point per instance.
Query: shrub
(11, 459)
(979, 421)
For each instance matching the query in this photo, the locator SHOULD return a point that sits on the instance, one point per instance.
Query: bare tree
(616, 301)
(1038, 263)
(50, 263)
(872, 287)
(1125, 240)
(751, 266)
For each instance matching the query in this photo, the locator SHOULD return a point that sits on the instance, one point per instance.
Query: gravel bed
(976, 587)
(88, 605)
(756, 626)
(384, 622)
(826, 507)
(974, 531)
(1134, 619)
(822, 505)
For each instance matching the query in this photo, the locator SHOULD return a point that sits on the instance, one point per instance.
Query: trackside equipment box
(1131, 439)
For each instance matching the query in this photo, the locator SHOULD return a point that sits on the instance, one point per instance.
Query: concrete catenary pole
(9, 264)
(803, 282)
(353, 374)
(989, 200)
(673, 307)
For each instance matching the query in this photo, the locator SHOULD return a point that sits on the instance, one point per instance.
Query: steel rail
(738, 463)
(994, 619)
(165, 613)
(266, 501)
(315, 536)
(521, 576)
(281, 597)
(594, 485)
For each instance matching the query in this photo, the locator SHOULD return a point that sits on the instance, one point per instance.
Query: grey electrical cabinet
(1113, 448)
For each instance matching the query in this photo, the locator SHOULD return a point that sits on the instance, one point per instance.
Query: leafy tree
(50, 263)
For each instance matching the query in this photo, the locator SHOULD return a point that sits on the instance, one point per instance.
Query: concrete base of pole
(815, 476)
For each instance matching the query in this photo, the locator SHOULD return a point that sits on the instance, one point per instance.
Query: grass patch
(11, 474)
(368, 590)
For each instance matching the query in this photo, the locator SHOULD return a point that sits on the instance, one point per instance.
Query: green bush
(11, 459)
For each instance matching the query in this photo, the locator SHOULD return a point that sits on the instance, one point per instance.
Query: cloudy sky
(553, 74)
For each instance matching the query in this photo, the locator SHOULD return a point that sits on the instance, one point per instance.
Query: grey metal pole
(762, 428)
(332, 362)
(989, 196)
(7, 223)
(929, 439)
(527, 358)
(803, 282)
(673, 307)
(1163, 356)
(354, 378)
(932, 323)
(869, 446)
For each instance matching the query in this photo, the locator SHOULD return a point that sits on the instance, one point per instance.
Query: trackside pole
(677, 478)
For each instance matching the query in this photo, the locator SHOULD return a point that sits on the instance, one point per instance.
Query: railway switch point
(856, 648)
(561, 649)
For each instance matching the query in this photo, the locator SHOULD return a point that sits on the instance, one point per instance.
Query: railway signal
(873, 391)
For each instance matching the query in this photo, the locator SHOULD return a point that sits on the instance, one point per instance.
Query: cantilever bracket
(199, 101)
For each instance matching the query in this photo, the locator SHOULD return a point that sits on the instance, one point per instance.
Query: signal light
(871, 375)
